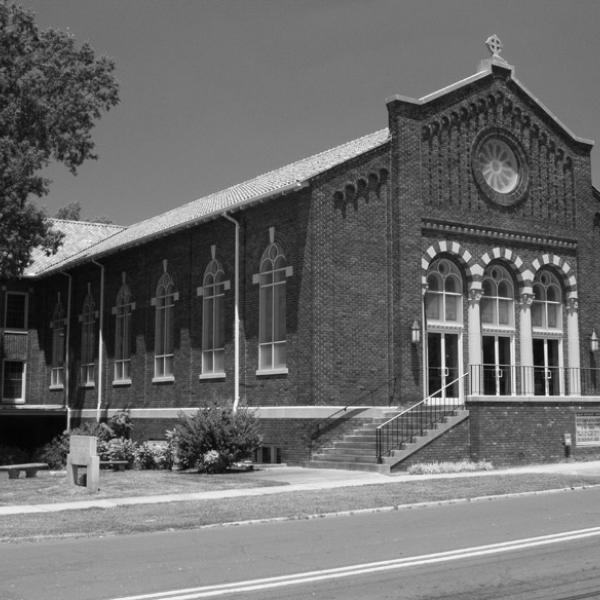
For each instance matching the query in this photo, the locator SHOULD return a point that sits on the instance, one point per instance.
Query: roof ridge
(81, 222)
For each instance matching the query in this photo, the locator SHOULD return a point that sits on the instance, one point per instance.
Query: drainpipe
(236, 317)
(100, 341)
(67, 351)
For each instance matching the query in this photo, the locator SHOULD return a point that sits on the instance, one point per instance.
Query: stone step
(350, 466)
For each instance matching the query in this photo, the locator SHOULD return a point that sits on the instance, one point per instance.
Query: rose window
(498, 166)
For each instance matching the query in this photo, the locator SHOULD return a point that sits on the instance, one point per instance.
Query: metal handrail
(433, 415)
(318, 427)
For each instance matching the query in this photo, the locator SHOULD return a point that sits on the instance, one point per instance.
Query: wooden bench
(115, 465)
(30, 469)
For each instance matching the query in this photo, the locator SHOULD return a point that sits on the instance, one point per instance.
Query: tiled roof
(79, 235)
(235, 197)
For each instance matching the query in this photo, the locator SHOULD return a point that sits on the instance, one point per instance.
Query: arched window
(498, 332)
(443, 300)
(546, 320)
(444, 313)
(57, 372)
(123, 311)
(213, 319)
(88, 341)
(498, 300)
(546, 311)
(164, 327)
(272, 309)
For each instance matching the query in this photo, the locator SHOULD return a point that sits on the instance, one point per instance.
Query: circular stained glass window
(498, 165)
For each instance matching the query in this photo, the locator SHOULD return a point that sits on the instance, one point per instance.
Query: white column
(574, 370)
(474, 333)
(526, 344)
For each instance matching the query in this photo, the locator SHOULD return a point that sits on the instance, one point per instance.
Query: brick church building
(448, 261)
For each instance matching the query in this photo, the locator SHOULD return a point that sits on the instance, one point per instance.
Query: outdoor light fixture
(415, 332)
(594, 343)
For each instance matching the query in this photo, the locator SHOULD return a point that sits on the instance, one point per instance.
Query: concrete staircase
(356, 450)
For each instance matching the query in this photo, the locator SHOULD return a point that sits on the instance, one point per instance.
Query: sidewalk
(295, 479)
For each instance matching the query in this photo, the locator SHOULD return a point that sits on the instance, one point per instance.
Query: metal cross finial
(494, 45)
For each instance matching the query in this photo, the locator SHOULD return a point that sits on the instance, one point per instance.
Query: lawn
(192, 514)
(51, 486)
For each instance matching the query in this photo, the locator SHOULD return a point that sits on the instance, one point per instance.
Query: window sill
(216, 375)
(55, 388)
(163, 379)
(280, 371)
(121, 382)
(88, 386)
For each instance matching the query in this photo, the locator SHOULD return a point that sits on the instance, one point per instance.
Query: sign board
(82, 447)
(587, 429)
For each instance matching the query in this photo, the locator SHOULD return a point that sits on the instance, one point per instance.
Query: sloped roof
(79, 235)
(284, 179)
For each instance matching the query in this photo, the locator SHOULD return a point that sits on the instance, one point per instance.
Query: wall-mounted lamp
(415, 333)
(594, 342)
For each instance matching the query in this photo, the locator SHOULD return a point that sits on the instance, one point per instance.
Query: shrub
(462, 466)
(154, 455)
(120, 424)
(233, 436)
(55, 452)
(119, 449)
(11, 455)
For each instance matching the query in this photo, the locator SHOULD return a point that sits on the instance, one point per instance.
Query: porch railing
(520, 380)
(420, 417)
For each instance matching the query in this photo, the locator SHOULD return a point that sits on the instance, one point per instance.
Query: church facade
(447, 260)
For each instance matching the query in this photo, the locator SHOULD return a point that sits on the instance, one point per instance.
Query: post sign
(587, 429)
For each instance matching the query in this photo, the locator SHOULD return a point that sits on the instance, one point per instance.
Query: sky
(214, 92)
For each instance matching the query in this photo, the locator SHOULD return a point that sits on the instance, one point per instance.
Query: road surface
(535, 547)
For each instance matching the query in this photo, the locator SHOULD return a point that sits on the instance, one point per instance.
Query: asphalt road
(430, 553)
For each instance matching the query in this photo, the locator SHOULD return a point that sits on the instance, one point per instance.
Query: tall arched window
(546, 320)
(123, 312)
(272, 309)
(444, 313)
(88, 341)
(498, 331)
(443, 301)
(213, 319)
(57, 372)
(164, 327)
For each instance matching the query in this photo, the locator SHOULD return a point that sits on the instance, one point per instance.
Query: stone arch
(453, 249)
(562, 267)
(514, 262)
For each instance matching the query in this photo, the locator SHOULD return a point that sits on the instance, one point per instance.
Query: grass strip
(186, 515)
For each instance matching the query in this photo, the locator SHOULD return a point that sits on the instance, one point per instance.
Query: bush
(214, 438)
(462, 466)
(118, 449)
(55, 452)
(154, 455)
(11, 455)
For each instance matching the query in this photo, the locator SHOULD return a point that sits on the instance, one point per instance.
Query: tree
(51, 95)
(70, 212)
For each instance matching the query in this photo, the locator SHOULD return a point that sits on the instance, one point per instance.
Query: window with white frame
(123, 318)
(164, 303)
(88, 341)
(58, 324)
(498, 301)
(443, 300)
(272, 336)
(15, 310)
(546, 310)
(13, 381)
(213, 319)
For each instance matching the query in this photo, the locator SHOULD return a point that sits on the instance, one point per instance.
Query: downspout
(236, 312)
(100, 341)
(67, 351)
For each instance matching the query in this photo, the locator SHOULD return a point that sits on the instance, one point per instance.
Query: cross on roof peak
(494, 45)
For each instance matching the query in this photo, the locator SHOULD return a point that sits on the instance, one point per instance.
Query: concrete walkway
(295, 479)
